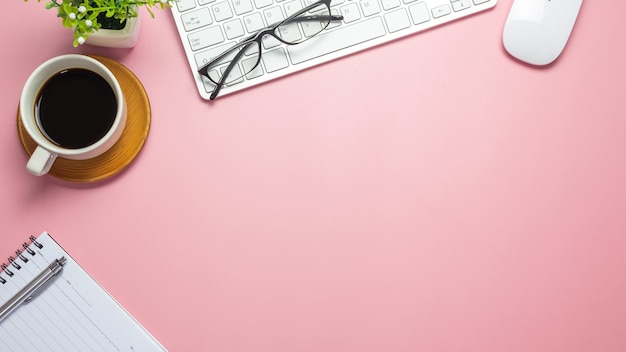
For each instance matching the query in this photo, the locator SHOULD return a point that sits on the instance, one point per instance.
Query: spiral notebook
(74, 313)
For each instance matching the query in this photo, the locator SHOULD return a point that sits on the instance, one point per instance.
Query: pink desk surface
(431, 194)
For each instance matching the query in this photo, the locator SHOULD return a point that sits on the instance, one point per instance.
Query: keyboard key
(390, 4)
(340, 38)
(234, 72)
(274, 60)
(370, 7)
(242, 6)
(222, 11)
(292, 7)
(273, 15)
(262, 3)
(203, 57)
(478, 2)
(397, 20)
(185, 5)
(254, 22)
(291, 33)
(350, 12)
(205, 38)
(247, 64)
(196, 19)
(270, 42)
(311, 28)
(419, 13)
(311, 2)
(233, 29)
(441, 11)
(459, 5)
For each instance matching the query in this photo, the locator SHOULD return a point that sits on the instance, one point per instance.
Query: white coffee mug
(47, 150)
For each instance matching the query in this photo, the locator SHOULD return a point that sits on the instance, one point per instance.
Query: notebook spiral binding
(13, 262)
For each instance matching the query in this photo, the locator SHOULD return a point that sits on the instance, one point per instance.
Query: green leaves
(84, 16)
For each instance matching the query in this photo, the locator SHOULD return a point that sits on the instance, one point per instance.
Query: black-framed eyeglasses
(232, 65)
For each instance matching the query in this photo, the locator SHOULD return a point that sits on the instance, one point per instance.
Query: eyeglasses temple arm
(317, 18)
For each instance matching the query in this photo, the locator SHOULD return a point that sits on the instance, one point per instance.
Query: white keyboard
(209, 27)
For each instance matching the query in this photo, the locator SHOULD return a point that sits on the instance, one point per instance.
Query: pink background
(432, 194)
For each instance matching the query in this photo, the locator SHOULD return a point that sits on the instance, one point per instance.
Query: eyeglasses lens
(305, 26)
(248, 56)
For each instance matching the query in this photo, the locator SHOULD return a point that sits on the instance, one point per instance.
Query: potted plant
(104, 22)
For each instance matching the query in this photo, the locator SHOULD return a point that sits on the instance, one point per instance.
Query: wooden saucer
(114, 160)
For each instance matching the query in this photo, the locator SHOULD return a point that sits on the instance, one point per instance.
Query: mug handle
(40, 161)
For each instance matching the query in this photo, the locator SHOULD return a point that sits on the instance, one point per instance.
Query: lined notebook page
(73, 314)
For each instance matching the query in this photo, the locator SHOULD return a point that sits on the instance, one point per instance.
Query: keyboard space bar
(340, 38)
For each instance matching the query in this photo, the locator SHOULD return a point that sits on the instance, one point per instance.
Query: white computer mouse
(536, 31)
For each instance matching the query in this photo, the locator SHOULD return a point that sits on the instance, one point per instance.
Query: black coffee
(75, 108)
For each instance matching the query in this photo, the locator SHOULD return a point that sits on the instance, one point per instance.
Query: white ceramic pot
(117, 38)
